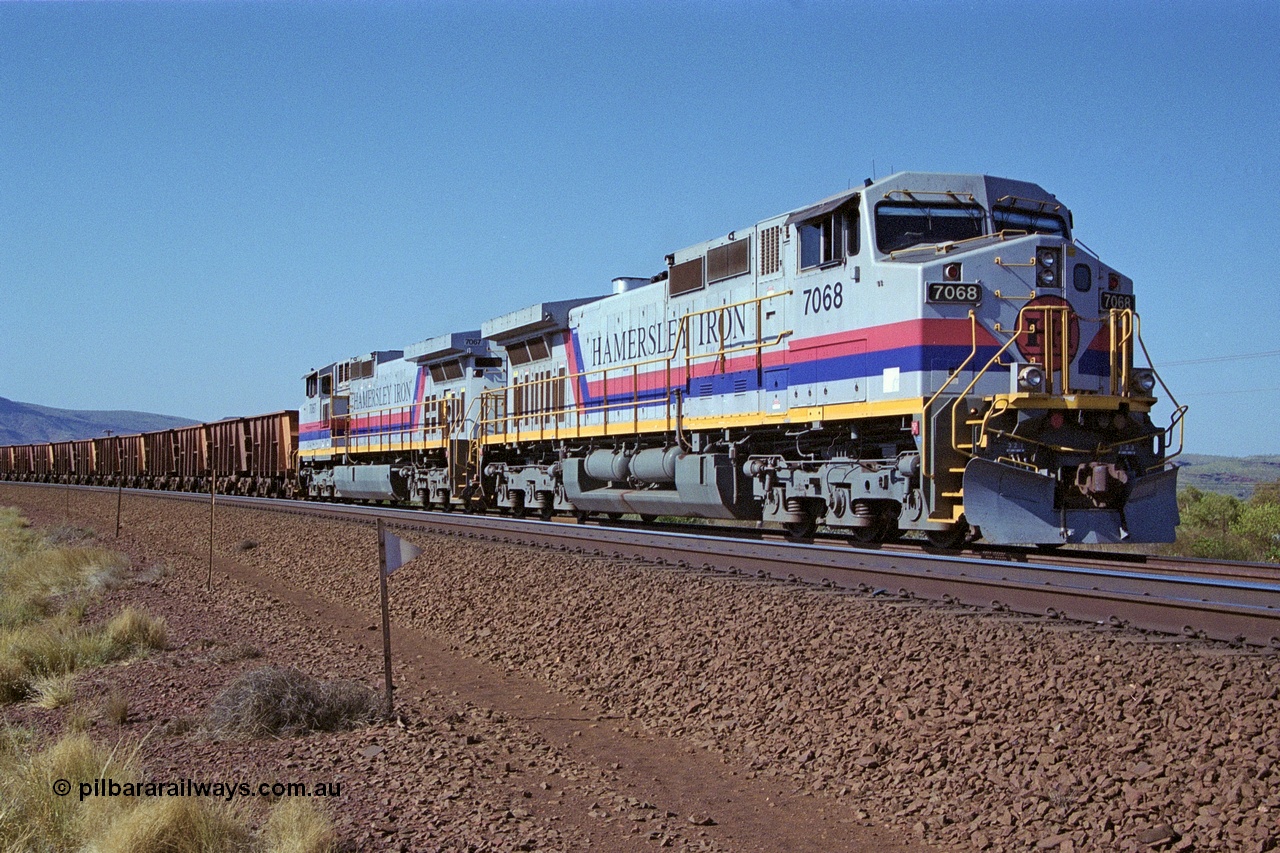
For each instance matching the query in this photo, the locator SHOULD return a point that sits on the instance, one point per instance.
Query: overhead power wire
(1228, 393)
(1215, 358)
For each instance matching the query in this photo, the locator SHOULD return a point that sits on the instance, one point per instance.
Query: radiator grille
(770, 250)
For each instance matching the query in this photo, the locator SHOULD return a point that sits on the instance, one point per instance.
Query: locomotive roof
(986, 190)
(446, 345)
(542, 317)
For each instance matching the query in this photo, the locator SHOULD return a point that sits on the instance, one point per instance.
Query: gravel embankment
(964, 731)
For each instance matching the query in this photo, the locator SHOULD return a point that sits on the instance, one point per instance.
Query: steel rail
(1238, 610)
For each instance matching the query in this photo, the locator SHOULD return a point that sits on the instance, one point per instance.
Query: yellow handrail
(1124, 326)
(681, 341)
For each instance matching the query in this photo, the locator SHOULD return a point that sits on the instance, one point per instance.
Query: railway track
(1238, 603)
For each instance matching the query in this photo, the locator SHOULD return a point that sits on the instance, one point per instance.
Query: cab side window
(829, 239)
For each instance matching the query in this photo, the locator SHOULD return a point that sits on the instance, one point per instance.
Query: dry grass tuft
(53, 647)
(58, 646)
(173, 825)
(15, 742)
(285, 701)
(15, 682)
(298, 826)
(36, 818)
(16, 611)
(115, 707)
(54, 691)
(63, 571)
(67, 534)
(132, 630)
(16, 537)
(78, 719)
(43, 598)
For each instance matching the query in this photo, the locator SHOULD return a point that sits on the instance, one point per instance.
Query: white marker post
(393, 552)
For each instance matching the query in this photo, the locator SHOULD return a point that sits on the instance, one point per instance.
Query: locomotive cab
(1039, 431)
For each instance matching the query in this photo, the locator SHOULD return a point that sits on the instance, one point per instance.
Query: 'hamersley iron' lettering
(382, 396)
(655, 340)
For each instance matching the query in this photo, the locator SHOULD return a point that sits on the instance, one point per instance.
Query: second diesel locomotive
(929, 352)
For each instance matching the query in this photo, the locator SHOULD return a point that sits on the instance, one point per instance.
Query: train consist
(248, 456)
(927, 352)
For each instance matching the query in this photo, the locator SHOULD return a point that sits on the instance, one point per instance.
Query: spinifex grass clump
(174, 825)
(37, 579)
(34, 816)
(298, 826)
(16, 536)
(275, 700)
(44, 591)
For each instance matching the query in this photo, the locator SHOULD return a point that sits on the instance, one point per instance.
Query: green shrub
(1259, 526)
(1220, 527)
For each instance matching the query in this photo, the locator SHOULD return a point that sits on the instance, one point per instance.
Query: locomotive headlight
(1143, 381)
(1047, 267)
(951, 272)
(1030, 378)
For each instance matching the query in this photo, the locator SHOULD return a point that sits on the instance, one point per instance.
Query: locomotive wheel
(868, 535)
(648, 519)
(887, 529)
(545, 512)
(892, 532)
(801, 531)
(614, 516)
(518, 509)
(950, 539)
(581, 516)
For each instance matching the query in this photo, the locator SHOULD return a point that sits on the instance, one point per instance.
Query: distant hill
(1229, 475)
(23, 423)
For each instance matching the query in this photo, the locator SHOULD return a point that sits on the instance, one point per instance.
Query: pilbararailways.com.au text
(191, 788)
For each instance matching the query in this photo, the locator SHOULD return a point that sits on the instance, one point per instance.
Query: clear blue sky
(201, 201)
